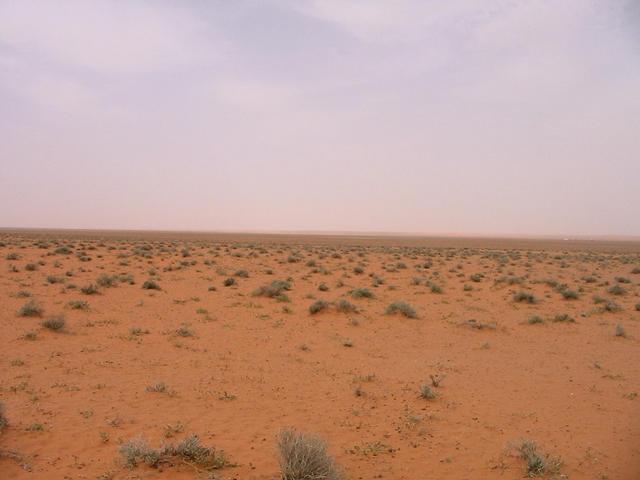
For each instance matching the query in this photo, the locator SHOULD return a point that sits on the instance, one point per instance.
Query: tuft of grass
(105, 280)
(620, 331)
(476, 277)
(569, 294)
(526, 297)
(3, 419)
(78, 305)
(150, 285)
(563, 317)
(401, 307)
(345, 306)
(54, 323)
(617, 290)
(90, 289)
(538, 464)
(184, 332)
(52, 279)
(191, 451)
(30, 309)
(535, 319)
(362, 293)
(318, 306)
(275, 289)
(427, 392)
(159, 387)
(304, 456)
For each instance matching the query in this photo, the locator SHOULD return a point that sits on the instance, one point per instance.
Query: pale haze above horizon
(489, 117)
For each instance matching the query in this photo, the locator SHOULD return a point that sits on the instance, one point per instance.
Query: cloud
(107, 36)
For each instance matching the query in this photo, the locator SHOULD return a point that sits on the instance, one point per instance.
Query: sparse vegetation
(30, 309)
(401, 307)
(304, 457)
(524, 297)
(54, 323)
(189, 450)
(318, 306)
(150, 285)
(538, 464)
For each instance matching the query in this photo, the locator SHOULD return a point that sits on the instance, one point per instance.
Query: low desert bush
(617, 290)
(150, 285)
(78, 304)
(318, 306)
(90, 289)
(526, 297)
(427, 392)
(345, 306)
(105, 280)
(30, 309)
(563, 317)
(362, 293)
(535, 319)
(275, 289)
(620, 331)
(3, 419)
(538, 464)
(304, 456)
(401, 307)
(54, 323)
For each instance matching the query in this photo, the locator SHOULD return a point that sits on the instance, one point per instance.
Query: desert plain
(412, 358)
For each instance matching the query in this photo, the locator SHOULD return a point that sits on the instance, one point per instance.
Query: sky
(488, 117)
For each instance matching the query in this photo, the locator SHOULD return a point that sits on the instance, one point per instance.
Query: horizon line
(339, 233)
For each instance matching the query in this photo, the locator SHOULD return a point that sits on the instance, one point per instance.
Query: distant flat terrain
(604, 244)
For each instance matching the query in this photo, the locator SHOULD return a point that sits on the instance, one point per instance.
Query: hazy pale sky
(493, 117)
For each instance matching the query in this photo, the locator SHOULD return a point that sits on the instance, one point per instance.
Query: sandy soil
(239, 367)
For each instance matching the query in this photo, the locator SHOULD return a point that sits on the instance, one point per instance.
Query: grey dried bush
(345, 306)
(362, 293)
(304, 456)
(275, 289)
(30, 309)
(402, 307)
(318, 306)
(3, 419)
(54, 323)
(150, 285)
(524, 297)
(90, 289)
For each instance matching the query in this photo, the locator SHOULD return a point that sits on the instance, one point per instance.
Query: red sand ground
(572, 387)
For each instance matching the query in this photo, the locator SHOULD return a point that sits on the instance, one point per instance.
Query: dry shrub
(304, 457)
